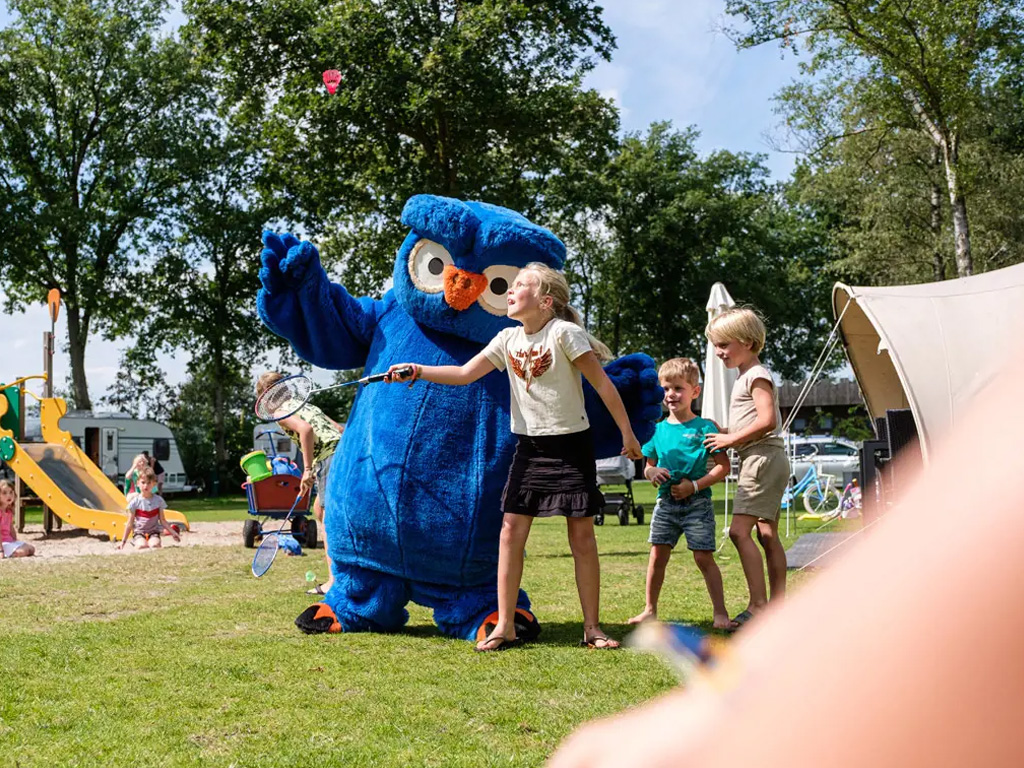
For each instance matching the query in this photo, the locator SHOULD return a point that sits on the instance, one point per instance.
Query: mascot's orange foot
(527, 626)
(318, 619)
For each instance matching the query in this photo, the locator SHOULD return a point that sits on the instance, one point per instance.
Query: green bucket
(255, 466)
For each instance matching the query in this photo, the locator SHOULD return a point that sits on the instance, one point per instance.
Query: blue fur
(477, 235)
(413, 497)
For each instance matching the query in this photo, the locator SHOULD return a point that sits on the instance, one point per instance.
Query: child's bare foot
(646, 614)
(722, 621)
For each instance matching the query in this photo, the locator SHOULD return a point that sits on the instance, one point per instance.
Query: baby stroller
(618, 470)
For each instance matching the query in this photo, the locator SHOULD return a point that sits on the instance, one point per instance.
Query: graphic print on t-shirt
(529, 364)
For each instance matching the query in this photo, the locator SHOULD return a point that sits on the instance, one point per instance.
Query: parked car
(834, 456)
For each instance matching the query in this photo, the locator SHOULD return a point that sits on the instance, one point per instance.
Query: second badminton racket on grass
(264, 557)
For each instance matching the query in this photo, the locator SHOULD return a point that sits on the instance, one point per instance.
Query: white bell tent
(931, 347)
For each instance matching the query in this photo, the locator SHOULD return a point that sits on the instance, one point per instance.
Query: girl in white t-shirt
(553, 471)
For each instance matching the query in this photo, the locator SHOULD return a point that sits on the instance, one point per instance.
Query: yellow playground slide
(64, 477)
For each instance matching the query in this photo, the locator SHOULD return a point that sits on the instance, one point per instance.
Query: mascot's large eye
(494, 299)
(426, 265)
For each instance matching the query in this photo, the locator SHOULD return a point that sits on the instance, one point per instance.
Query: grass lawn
(181, 658)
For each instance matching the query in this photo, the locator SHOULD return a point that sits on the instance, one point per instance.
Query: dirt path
(75, 542)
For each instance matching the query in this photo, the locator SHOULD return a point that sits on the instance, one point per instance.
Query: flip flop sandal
(593, 640)
(317, 590)
(504, 645)
(742, 618)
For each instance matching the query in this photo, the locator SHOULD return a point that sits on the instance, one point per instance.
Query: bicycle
(820, 495)
(849, 506)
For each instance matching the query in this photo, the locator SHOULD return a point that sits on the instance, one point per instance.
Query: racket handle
(400, 372)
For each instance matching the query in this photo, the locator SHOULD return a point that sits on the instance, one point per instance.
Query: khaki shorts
(764, 474)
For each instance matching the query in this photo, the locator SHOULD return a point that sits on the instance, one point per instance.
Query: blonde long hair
(551, 282)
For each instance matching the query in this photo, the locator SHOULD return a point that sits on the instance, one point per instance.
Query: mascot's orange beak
(462, 288)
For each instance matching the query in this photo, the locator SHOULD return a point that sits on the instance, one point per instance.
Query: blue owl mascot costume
(413, 498)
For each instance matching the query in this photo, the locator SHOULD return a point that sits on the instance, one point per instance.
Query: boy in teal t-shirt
(677, 464)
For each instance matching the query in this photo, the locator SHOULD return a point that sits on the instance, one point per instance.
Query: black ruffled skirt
(553, 475)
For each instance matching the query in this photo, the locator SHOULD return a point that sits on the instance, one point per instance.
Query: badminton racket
(264, 557)
(693, 654)
(288, 395)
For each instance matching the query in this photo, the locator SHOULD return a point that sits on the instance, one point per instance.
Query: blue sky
(671, 64)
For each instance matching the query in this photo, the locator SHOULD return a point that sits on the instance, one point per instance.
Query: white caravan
(113, 440)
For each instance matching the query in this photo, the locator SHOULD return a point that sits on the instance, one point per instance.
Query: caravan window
(285, 447)
(110, 442)
(161, 448)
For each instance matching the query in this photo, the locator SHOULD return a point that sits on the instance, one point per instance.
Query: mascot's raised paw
(287, 262)
(636, 379)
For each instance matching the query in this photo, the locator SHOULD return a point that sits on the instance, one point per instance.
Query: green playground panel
(12, 418)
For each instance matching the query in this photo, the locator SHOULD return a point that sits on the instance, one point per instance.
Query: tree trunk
(958, 203)
(938, 263)
(220, 456)
(78, 336)
(219, 437)
(949, 142)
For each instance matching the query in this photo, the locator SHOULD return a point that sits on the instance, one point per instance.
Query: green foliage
(878, 74)
(195, 419)
(854, 425)
(478, 99)
(337, 403)
(93, 140)
(141, 388)
(667, 224)
(205, 277)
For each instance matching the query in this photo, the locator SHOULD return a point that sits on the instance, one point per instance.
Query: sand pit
(76, 542)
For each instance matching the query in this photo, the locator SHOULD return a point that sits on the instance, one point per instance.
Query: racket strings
(283, 398)
(265, 555)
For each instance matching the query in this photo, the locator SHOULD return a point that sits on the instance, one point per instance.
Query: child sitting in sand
(146, 515)
(9, 544)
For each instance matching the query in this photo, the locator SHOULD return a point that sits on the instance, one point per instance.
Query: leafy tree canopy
(670, 225)
(93, 145)
(468, 99)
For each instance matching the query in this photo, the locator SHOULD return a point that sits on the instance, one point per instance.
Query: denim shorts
(691, 517)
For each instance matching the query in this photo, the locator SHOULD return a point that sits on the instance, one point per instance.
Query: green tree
(670, 225)
(141, 388)
(882, 200)
(896, 65)
(96, 112)
(193, 421)
(469, 99)
(203, 282)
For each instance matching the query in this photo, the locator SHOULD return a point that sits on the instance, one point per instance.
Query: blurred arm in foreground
(905, 652)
